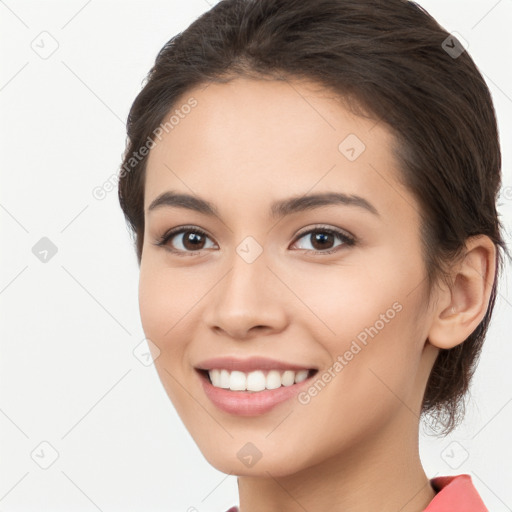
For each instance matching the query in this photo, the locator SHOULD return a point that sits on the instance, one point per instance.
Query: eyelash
(168, 235)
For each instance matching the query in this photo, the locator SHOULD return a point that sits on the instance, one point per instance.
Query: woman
(312, 187)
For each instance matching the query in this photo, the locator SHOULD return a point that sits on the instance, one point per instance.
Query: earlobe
(462, 306)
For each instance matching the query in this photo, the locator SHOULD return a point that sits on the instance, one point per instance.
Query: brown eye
(185, 240)
(193, 241)
(322, 239)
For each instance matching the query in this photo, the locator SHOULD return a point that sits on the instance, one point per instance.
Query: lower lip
(244, 403)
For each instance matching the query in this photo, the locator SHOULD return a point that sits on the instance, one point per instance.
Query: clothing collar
(455, 494)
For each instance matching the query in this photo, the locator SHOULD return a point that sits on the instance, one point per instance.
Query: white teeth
(237, 381)
(273, 379)
(219, 378)
(215, 377)
(255, 380)
(224, 379)
(300, 376)
(288, 378)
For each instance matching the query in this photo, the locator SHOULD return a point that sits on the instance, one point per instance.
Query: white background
(69, 327)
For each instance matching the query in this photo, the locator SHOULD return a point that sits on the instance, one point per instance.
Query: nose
(249, 301)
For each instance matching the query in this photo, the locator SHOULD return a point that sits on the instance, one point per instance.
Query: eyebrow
(278, 209)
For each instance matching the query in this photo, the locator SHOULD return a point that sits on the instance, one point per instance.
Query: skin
(246, 144)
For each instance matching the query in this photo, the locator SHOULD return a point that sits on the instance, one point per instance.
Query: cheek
(155, 315)
(167, 299)
(163, 314)
(163, 307)
(369, 320)
(348, 299)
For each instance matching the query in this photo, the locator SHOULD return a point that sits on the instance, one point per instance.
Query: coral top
(454, 494)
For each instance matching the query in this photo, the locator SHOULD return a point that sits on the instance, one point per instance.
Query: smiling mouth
(254, 381)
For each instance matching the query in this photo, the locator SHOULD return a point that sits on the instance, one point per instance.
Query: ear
(462, 306)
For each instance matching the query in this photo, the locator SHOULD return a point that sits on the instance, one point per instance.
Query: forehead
(265, 139)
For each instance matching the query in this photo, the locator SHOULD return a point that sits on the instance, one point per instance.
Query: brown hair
(389, 60)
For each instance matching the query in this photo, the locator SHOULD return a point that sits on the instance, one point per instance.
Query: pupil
(194, 239)
(322, 238)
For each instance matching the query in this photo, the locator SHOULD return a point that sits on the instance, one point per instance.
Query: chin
(244, 459)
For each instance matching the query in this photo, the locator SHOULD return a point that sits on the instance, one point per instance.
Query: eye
(192, 241)
(321, 238)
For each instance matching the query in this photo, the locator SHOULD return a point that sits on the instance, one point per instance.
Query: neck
(382, 472)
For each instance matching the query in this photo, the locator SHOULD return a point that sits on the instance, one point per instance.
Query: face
(301, 278)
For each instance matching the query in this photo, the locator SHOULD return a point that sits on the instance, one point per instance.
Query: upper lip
(249, 364)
